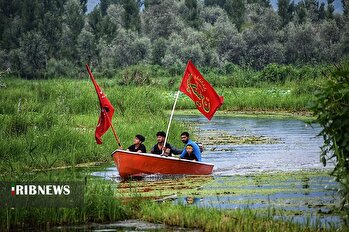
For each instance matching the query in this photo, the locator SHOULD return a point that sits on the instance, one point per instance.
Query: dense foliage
(332, 112)
(56, 38)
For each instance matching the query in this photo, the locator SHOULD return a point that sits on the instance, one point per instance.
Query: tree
(95, 21)
(211, 14)
(10, 23)
(104, 4)
(131, 15)
(329, 39)
(162, 19)
(302, 44)
(158, 50)
(87, 47)
(191, 13)
(330, 9)
(322, 11)
(33, 54)
(284, 11)
(345, 5)
(263, 3)
(262, 45)
(344, 40)
(73, 22)
(83, 4)
(235, 9)
(126, 49)
(230, 43)
(112, 22)
(301, 13)
(174, 54)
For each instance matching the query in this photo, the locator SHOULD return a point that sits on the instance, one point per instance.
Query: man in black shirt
(138, 145)
(159, 148)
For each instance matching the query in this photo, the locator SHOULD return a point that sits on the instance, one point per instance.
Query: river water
(296, 147)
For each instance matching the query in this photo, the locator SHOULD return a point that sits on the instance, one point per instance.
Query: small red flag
(107, 110)
(200, 91)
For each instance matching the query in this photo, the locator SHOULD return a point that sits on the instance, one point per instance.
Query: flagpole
(169, 123)
(114, 132)
(105, 113)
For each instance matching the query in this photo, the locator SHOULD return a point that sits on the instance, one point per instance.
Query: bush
(134, 75)
(276, 73)
(60, 68)
(332, 113)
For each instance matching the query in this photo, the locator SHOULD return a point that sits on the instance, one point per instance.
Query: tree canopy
(56, 38)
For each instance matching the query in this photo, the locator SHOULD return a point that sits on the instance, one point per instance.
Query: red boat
(138, 164)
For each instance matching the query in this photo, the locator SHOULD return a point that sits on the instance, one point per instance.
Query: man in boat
(196, 150)
(138, 145)
(159, 148)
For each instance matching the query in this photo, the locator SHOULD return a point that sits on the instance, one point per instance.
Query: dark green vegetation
(332, 111)
(56, 38)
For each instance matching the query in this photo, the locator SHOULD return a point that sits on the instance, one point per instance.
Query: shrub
(332, 113)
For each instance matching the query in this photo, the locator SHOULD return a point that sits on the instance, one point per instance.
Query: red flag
(200, 91)
(107, 110)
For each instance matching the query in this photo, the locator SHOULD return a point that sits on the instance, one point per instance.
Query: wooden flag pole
(169, 123)
(114, 132)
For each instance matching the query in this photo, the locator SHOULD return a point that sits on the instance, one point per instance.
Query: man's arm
(174, 150)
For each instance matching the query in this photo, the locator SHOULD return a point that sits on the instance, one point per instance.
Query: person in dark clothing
(138, 145)
(159, 148)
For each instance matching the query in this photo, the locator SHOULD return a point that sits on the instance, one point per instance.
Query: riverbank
(302, 115)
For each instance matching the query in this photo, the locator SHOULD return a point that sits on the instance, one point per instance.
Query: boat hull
(136, 164)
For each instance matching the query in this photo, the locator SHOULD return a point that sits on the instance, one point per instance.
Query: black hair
(185, 133)
(161, 133)
(140, 137)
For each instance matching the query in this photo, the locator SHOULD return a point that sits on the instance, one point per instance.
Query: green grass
(100, 206)
(218, 220)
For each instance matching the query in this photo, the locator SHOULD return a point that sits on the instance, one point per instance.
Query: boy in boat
(195, 148)
(159, 148)
(189, 155)
(138, 145)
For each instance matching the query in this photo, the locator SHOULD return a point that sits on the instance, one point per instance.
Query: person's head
(189, 149)
(160, 136)
(185, 137)
(138, 139)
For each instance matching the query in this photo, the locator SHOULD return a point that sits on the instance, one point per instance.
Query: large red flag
(200, 91)
(107, 110)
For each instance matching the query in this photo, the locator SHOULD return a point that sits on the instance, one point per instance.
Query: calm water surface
(298, 146)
